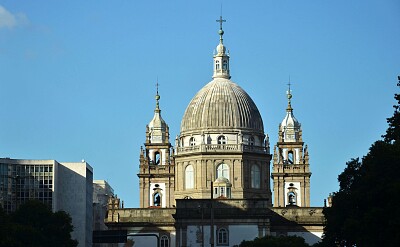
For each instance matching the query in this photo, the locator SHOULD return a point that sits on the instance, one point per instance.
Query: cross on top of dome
(220, 32)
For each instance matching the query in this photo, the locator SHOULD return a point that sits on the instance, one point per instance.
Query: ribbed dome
(219, 105)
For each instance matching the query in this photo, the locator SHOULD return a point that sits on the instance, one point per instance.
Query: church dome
(221, 105)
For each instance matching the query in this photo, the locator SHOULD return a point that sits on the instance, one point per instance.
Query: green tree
(364, 210)
(5, 225)
(393, 132)
(289, 241)
(34, 224)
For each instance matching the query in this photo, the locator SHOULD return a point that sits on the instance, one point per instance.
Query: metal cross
(220, 22)
(157, 86)
(289, 84)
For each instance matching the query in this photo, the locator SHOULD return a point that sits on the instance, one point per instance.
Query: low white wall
(237, 233)
(310, 237)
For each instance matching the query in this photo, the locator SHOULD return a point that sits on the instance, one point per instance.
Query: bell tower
(156, 174)
(290, 172)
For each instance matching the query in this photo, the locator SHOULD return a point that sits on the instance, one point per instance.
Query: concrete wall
(75, 196)
(101, 192)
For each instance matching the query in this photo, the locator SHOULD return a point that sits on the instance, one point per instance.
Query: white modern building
(64, 186)
(102, 191)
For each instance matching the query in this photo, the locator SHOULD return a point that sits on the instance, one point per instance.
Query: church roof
(157, 122)
(290, 126)
(222, 104)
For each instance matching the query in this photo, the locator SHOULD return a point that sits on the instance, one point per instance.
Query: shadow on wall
(189, 224)
(245, 220)
(75, 196)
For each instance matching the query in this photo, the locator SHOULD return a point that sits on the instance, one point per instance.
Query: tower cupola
(290, 128)
(157, 129)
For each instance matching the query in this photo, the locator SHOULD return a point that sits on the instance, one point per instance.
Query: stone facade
(156, 169)
(244, 219)
(291, 169)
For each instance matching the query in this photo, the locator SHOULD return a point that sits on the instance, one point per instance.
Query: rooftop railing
(228, 148)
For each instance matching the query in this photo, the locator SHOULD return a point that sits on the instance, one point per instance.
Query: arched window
(255, 177)
(251, 141)
(157, 199)
(164, 241)
(189, 177)
(217, 65)
(292, 198)
(225, 65)
(223, 171)
(157, 158)
(192, 141)
(290, 157)
(222, 236)
(221, 140)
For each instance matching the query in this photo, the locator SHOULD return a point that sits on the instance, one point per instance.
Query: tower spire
(157, 98)
(289, 96)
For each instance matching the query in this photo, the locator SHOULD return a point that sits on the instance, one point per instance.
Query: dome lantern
(221, 58)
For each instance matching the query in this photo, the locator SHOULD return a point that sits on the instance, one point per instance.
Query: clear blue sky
(77, 78)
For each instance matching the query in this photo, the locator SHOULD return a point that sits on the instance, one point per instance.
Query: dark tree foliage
(364, 210)
(393, 132)
(289, 241)
(34, 224)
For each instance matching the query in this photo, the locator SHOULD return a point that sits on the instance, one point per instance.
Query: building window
(157, 199)
(221, 140)
(290, 157)
(189, 177)
(255, 177)
(292, 198)
(222, 236)
(251, 141)
(223, 171)
(225, 65)
(217, 65)
(157, 158)
(192, 141)
(164, 241)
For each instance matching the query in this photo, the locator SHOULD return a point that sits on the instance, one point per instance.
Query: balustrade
(221, 148)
